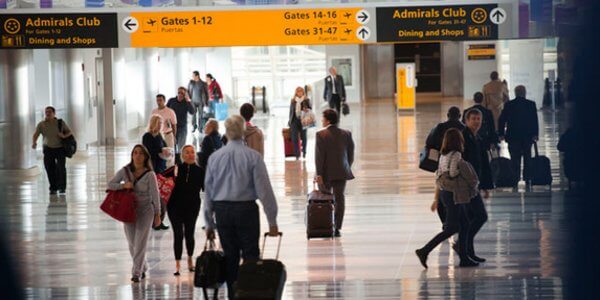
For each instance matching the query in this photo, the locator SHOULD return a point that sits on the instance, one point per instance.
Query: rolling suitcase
(540, 172)
(288, 145)
(320, 215)
(261, 279)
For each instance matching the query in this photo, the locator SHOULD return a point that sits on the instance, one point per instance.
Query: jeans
(451, 226)
(54, 163)
(180, 138)
(197, 118)
(297, 131)
(238, 225)
(518, 149)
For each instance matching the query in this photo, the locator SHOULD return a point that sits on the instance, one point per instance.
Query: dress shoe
(422, 257)
(337, 233)
(467, 262)
(135, 279)
(157, 228)
(477, 258)
(143, 275)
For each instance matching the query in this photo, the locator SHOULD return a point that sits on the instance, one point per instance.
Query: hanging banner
(32, 31)
(439, 23)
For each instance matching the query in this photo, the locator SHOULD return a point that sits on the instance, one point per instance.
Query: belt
(242, 202)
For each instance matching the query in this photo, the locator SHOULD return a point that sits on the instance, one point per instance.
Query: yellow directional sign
(247, 28)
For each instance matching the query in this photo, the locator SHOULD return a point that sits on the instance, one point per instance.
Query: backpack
(69, 143)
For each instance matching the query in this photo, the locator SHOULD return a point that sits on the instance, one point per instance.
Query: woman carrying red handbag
(147, 206)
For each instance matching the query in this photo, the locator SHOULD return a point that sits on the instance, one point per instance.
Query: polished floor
(65, 247)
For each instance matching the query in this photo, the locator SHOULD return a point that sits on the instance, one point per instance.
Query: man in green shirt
(54, 153)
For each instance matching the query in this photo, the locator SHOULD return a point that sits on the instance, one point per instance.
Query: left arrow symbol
(130, 24)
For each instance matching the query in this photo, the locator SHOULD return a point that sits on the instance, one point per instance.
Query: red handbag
(120, 204)
(166, 184)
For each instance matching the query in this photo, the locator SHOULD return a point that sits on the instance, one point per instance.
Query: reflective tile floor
(66, 247)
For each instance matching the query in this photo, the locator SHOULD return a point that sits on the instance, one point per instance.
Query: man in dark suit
(335, 92)
(518, 125)
(475, 152)
(334, 155)
(488, 129)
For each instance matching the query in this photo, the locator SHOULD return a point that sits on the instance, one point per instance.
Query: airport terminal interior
(64, 247)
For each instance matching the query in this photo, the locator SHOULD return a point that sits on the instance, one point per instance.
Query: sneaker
(467, 262)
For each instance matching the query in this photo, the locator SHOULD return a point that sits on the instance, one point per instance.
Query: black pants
(518, 150)
(239, 231)
(476, 216)
(183, 222)
(54, 162)
(451, 226)
(339, 188)
(335, 102)
(297, 131)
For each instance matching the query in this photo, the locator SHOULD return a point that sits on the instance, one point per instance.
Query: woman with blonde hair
(138, 176)
(156, 145)
(297, 132)
(184, 206)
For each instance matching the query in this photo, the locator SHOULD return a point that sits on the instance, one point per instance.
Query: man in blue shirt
(235, 177)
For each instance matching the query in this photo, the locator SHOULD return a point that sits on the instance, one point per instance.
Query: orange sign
(246, 28)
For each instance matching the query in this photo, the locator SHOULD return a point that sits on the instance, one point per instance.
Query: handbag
(221, 111)
(345, 109)
(210, 269)
(120, 204)
(69, 143)
(166, 184)
(429, 159)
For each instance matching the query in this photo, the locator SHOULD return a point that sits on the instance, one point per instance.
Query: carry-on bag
(263, 278)
(120, 204)
(221, 111)
(69, 144)
(429, 159)
(320, 215)
(210, 269)
(345, 109)
(288, 145)
(540, 172)
(503, 173)
(166, 184)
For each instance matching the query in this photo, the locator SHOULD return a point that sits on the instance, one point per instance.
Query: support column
(108, 134)
(75, 103)
(16, 114)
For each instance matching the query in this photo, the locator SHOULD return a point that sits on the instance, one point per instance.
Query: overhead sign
(481, 52)
(436, 23)
(249, 27)
(28, 31)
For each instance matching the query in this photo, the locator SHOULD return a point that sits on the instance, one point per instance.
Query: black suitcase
(320, 215)
(210, 269)
(540, 172)
(503, 173)
(261, 279)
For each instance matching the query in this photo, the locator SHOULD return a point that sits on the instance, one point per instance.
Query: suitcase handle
(262, 251)
(210, 245)
(535, 148)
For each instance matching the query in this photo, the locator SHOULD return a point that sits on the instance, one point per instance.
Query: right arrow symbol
(362, 17)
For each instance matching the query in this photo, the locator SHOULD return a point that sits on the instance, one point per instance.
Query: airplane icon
(348, 31)
(347, 15)
(150, 25)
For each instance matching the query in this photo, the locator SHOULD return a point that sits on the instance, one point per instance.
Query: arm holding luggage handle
(271, 233)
